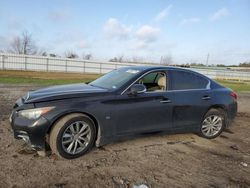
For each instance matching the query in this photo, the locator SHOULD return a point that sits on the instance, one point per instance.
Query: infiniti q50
(71, 119)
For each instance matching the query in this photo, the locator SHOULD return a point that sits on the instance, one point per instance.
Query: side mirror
(137, 88)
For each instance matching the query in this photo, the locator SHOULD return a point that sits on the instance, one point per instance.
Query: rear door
(192, 98)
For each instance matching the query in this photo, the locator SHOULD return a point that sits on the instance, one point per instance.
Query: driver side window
(155, 81)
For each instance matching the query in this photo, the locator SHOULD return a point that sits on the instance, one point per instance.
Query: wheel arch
(221, 108)
(90, 116)
(218, 107)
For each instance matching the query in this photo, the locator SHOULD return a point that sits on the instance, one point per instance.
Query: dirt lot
(183, 160)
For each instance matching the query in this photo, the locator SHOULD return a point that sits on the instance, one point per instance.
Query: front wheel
(72, 136)
(212, 124)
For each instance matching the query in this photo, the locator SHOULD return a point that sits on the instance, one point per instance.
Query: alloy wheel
(212, 125)
(76, 137)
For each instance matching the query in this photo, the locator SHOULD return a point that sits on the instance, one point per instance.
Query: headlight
(34, 113)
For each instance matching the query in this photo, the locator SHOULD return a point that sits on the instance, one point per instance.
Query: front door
(145, 112)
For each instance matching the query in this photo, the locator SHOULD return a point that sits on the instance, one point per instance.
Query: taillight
(234, 95)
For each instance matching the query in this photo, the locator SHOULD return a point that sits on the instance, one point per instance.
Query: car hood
(62, 92)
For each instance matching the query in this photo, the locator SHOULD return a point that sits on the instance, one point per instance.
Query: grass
(44, 78)
(38, 81)
(57, 78)
(238, 86)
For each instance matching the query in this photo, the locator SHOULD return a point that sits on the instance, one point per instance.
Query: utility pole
(207, 59)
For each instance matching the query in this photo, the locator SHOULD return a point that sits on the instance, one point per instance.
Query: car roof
(150, 67)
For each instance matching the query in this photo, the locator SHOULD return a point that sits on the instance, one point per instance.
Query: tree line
(25, 44)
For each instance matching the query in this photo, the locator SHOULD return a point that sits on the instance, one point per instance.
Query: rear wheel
(72, 136)
(212, 124)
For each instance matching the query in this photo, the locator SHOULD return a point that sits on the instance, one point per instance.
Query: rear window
(182, 80)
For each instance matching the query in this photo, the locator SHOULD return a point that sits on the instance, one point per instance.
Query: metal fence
(55, 64)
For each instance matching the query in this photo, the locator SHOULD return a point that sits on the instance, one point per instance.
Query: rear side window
(182, 80)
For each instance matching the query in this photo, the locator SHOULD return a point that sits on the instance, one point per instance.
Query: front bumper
(33, 132)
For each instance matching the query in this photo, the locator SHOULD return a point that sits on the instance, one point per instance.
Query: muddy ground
(183, 160)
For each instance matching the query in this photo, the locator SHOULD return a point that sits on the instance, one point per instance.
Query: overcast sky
(187, 30)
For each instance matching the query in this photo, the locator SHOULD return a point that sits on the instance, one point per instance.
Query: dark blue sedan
(71, 119)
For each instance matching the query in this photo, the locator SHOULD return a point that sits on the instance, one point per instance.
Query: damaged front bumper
(32, 132)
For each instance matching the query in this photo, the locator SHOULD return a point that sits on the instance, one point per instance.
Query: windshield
(115, 79)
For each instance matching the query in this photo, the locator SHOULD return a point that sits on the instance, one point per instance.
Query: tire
(66, 135)
(209, 128)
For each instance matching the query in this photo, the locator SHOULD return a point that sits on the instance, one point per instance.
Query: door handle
(206, 98)
(165, 101)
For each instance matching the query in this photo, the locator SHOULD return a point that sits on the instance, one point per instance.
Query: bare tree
(71, 54)
(120, 59)
(23, 44)
(166, 60)
(117, 59)
(44, 54)
(53, 55)
(87, 56)
(136, 59)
